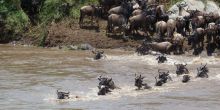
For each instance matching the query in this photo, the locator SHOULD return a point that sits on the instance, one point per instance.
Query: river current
(30, 76)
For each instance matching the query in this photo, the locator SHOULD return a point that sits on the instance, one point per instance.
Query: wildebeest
(137, 12)
(186, 78)
(202, 71)
(163, 47)
(90, 11)
(143, 49)
(62, 95)
(197, 38)
(181, 69)
(137, 22)
(105, 85)
(198, 22)
(171, 27)
(124, 9)
(107, 82)
(211, 32)
(160, 13)
(210, 48)
(163, 77)
(116, 22)
(178, 41)
(98, 54)
(161, 58)
(139, 82)
(161, 29)
(180, 25)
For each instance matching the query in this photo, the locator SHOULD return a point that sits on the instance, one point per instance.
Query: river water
(30, 76)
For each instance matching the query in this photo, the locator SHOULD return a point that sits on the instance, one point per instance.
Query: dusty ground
(69, 33)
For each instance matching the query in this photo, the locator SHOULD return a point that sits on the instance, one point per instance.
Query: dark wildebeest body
(181, 69)
(161, 29)
(171, 27)
(161, 59)
(98, 54)
(197, 38)
(139, 82)
(202, 71)
(186, 78)
(116, 22)
(62, 95)
(90, 11)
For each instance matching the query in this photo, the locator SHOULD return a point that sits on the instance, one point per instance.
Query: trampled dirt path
(69, 33)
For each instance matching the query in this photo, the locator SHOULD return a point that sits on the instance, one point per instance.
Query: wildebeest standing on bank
(124, 9)
(161, 29)
(197, 40)
(178, 41)
(116, 22)
(91, 11)
(171, 27)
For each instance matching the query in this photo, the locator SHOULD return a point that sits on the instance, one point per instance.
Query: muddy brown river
(30, 76)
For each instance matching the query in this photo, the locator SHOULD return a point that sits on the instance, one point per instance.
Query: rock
(72, 47)
(208, 7)
(85, 46)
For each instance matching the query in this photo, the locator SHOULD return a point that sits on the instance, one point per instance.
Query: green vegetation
(18, 17)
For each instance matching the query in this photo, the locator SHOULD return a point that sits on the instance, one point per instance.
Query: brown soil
(69, 33)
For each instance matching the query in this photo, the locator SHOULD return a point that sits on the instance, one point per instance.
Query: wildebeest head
(103, 90)
(186, 78)
(108, 82)
(181, 69)
(161, 59)
(62, 95)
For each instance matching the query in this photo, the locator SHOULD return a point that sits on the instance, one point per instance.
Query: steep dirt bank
(67, 32)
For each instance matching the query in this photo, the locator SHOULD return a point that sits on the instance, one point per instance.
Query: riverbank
(68, 33)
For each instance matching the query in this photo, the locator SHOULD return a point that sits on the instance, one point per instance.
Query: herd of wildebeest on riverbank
(149, 20)
(162, 34)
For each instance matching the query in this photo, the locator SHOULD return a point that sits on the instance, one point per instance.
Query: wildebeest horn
(168, 71)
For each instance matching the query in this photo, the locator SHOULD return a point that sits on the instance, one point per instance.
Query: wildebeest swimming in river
(181, 69)
(186, 78)
(202, 71)
(105, 85)
(139, 82)
(98, 54)
(163, 77)
(62, 95)
(161, 58)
